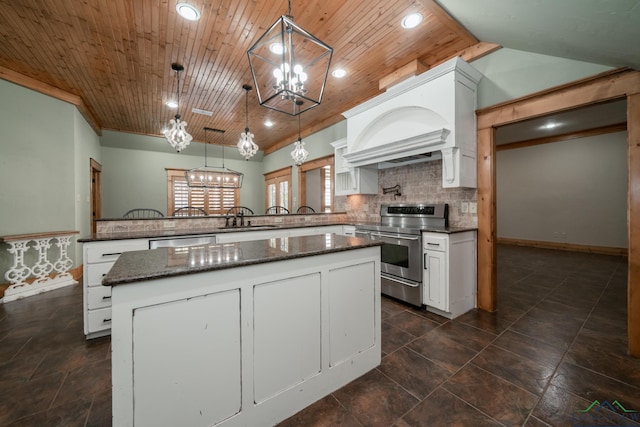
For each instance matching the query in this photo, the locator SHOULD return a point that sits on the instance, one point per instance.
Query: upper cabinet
(427, 117)
(350, 179)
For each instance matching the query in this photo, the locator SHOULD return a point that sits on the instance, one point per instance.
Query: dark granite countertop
(138, 266)
(446, 230)
(152, 234)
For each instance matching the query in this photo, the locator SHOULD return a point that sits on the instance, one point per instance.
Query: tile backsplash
(420, 183)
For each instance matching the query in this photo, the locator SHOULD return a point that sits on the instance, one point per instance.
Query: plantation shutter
(212, 200)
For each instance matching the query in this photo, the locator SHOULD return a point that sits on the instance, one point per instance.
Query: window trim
(173, 173)
(276, 176)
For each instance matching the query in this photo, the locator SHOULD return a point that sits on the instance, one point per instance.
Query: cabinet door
(435, 280)
(189, 381)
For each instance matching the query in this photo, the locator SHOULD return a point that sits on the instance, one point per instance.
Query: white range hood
(427, 117)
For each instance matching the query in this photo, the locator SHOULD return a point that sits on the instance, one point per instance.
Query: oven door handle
(394, 236)
(402, 282)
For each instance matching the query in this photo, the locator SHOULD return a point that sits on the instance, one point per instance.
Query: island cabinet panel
(244, 346)
(286, 334)
(165, 370)
(351, 312)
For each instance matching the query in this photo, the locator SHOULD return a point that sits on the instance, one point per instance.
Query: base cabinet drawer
(98, 258)
(98, 297)
(99, 319)
(95, 273)
(110, 251)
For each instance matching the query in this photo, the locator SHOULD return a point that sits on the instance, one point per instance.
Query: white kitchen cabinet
(98, 258)
(435, 280)
(164, 367)
(351, 180)
(449, 276)
(233, 349)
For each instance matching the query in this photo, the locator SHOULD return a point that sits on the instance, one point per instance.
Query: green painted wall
(510, 74)
(318, 145)
(43, 143)
(138, 179)
(87, 146)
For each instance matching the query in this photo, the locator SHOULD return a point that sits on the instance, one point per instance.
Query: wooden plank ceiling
(116, 56)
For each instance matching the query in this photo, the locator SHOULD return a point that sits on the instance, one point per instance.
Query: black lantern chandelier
(288, 64)
(213, 177)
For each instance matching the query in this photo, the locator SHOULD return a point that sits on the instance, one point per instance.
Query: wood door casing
(95, 193)
(599, 88)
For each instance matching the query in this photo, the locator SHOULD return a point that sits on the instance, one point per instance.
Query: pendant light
(288, 64)
(299, 154)
(176, 134)
(213, 177)
(246, 146)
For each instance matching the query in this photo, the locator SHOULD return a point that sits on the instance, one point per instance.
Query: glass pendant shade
(176, 134)
(288, 64)
(213, 177)
(299, 154)
(246, 146)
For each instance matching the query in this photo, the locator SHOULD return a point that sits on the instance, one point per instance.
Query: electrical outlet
(465, 207)
(277, 220)
(473, 207)
(169, 224)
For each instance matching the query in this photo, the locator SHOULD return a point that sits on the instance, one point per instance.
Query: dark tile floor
(557, 343)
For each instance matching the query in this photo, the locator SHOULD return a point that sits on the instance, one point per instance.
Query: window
(277, 188)
(326, 192)
(212, 200)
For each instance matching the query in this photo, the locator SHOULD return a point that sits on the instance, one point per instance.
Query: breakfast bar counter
(244, 333)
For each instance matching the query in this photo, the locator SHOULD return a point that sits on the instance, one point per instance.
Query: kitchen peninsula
(241, 333)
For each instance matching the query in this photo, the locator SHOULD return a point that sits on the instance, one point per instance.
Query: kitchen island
(243, 333)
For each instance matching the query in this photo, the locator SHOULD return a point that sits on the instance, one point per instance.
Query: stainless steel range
(401, 229)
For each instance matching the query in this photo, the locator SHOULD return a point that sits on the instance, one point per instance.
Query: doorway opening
(604, 87)
(316, 184)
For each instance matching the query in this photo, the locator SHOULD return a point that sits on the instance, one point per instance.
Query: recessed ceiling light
(188, 12)
(268, 123)
(171, 104)
(276, 48)
(339, 73)
(412, 20)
